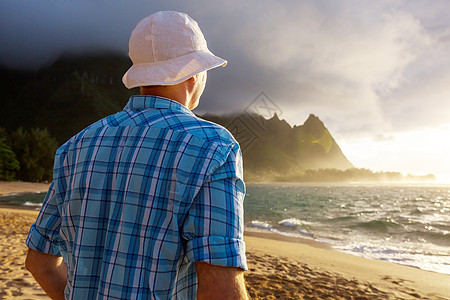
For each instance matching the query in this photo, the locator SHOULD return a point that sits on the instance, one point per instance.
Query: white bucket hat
(167, 48)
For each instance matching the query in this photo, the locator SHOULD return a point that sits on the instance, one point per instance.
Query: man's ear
(201, 76)
(196, 77)
(190, 82)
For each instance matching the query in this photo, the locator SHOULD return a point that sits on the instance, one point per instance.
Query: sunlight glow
(417, 152)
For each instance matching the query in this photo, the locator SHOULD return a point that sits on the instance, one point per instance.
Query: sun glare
(417, 152)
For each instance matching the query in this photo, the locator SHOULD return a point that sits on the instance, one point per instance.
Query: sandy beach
(12, 187)
(279, 268)
(301, 269)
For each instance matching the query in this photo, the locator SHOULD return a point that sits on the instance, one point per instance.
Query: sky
(377, 73)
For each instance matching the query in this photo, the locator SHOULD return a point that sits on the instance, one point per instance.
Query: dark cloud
(357, 61)
(36, 32)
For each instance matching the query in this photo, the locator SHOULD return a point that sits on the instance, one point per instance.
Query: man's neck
(184, 93)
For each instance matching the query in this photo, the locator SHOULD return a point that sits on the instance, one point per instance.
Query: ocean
(407, 224)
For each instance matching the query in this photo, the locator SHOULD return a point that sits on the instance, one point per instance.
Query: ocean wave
(341, 219)
(435, 237)
(275, 231)
(378, 225)
(32, 204)
(394, 223)
(292, 222)
(259, 224)
(9, 195)
(288, 227)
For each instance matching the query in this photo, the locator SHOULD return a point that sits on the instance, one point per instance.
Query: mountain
(274, 150)
(76, 91)
(66, 96)
(318, 147)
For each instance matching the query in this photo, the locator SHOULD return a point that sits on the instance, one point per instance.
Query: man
(147, 203)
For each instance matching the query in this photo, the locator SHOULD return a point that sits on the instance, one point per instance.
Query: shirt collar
(145, 102)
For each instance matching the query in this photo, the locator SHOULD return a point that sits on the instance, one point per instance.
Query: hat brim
(172, 71)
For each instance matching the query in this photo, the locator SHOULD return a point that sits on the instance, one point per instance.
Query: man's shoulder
(204, 131)
(92, 128)
(209, 131)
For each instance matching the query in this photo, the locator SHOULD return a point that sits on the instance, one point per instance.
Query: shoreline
(249, 231)
(344, 274)
(18, 187)
(282, 238)
(280, 267)
(270, 236)
(354, 183)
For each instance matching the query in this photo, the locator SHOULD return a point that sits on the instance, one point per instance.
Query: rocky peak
(314, 125)
(313, 121)
(276, 122)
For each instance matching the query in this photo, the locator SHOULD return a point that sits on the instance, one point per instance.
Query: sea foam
(292, 222)
(32, 204)
(263, 225)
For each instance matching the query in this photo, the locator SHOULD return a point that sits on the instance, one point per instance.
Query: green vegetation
(27, 155)
(61, 100)
(9, 165)
(65, 97)
(74, 92)
(352, 175)
(35, 149)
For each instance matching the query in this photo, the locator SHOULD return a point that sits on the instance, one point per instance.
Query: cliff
(76, 91)
(274, 150)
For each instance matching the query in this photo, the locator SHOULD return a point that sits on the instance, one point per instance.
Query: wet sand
(303, 269)
(12, 187)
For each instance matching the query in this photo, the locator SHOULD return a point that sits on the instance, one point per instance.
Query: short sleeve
(44, 234)
(214, 226)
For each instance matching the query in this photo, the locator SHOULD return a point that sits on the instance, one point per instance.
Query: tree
(35, 150)
(8, 162)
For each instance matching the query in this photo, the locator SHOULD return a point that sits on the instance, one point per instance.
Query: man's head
(168, 48)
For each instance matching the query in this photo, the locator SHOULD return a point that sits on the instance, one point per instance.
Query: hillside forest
(44, 108)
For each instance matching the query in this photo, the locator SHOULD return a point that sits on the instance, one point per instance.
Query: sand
(302, 269)
(279, 268)
(15, 281)
(11, 187)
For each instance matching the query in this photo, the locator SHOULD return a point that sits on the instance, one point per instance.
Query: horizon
(375, 73)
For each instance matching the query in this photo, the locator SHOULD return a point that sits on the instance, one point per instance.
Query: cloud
(340, 64)
(364, 67)
(422, 100)
(34, 33)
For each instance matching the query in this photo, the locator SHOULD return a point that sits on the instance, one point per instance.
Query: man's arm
(49, 271)
(221, 283)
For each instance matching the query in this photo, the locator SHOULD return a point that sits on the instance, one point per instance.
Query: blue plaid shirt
(138, 197)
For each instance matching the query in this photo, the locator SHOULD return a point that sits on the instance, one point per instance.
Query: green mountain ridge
(272, 149)
(74, 92)
(66, 96)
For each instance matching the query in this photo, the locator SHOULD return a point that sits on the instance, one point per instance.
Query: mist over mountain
(77, 91)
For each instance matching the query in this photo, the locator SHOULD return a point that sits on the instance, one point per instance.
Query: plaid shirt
(138, 197)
